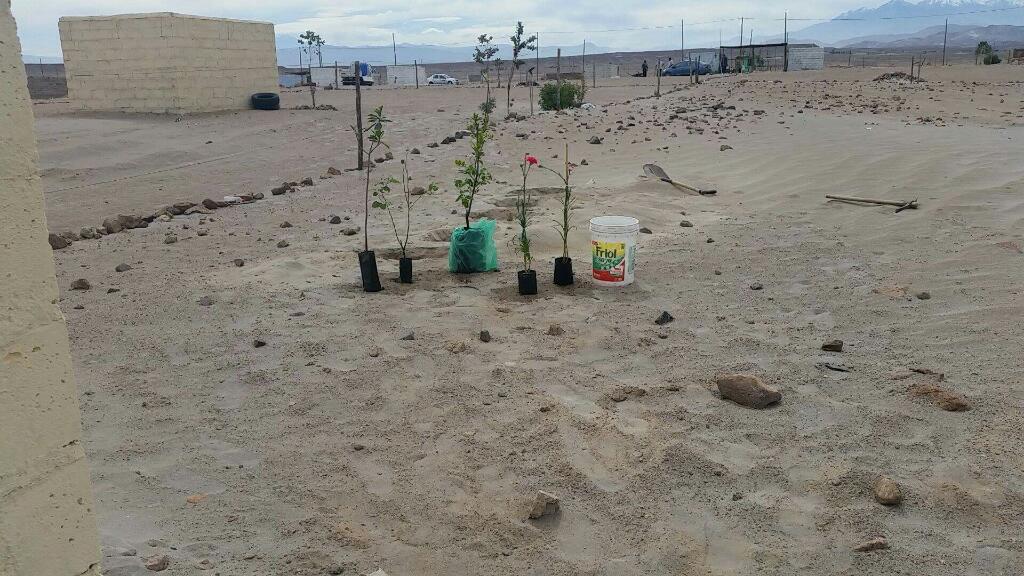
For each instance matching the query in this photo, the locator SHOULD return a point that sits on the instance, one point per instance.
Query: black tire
(266, 101)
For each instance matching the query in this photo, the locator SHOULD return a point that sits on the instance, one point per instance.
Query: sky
(456, 22)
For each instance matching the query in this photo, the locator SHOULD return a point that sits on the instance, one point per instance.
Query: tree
(983, 49)
(518, 45)
(310, 40)
(483, 54)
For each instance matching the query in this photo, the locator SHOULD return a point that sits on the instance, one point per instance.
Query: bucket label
(609, 260)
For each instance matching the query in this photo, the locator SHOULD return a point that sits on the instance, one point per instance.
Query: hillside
(999, 36)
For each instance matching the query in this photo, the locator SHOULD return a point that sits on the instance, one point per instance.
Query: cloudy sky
(453, 22)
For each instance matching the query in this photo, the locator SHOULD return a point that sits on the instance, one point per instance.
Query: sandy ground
(338, 447)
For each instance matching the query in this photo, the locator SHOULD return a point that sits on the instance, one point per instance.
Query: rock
(555, 330)
(833, 346)
(414, 151)
(335, 219)
(211, 204)
(257, 343)
(350, 230)
(686, 224)
(179, 208)
(645, 230)
(663, 318)
(724, 147)
(204, 564)
(202, 232)
(379, 572)
(238, 262)
(196, 210)
(283, 244)
(87, 233)
(409, 336)
(258, 196)
(81, 284)
(307, 181)
(887, 492)
(485, 336)
(389, 156)
(170, 239)
(417, 191)
(710, 240)
(448, 140)
(457, 347)
(278, 190)
(756, 286)
(595, 140)
(584, 162)
(544, 504)
(286, 224)
(747, 390)
(58, 242)
(156, 562)
(432, 145)
(358, 447)
(879, 543)
(942, 397)
(205, 301)
(123, 222)
(924, 296)
(122, 268)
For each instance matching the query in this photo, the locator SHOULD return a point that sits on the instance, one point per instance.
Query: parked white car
(441, 79)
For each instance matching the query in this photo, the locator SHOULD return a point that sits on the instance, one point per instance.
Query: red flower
(532, 161)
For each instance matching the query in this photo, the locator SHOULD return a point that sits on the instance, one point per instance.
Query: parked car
(441, 79)
(686, 68)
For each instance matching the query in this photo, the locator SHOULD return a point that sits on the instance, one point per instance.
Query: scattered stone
(663, 318)
(724, 147)
(258, 196)
(485, 336)
(710, 240)
(333, 171)
(595, 140)
(205, 564)
(283, 244)
(335, 219)
(888, 492)
(257, 343)
(544, 504)
(448, 140)
(156, 562)
(113, 290)
(58, 242)
(414, 151)
(942, 397)
(645, 230)
(81, 284)
(170, 239)
(457, 347)
(625, 393)
(278, 190)
(358, 447)
(757, 286)
(879, 543)
(924, 296)
(747, 390)
(238, 262)
(202, 232)
(409, 336)
(123, 222)
(686, 224)
(375, 352)
(833, 346)
(584, 162)
(286, 224)
(88, 233)
(350, 230)
(211, 204)
(417, 191)
(206, 301)
(432, 145)
(307, 181)
(555, 330)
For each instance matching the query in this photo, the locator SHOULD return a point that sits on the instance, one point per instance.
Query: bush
(992, 59)
(572, 96)
(487, 106)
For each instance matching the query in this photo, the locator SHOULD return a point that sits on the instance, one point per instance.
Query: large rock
(121, 222)
(58, 242)
(157, 562)
(747, 390)
(887, 492)
(544, 504)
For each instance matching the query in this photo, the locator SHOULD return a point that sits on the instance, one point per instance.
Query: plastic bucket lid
(614, 224)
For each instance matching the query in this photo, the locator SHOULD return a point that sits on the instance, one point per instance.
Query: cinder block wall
(166, 62)
(47, 524)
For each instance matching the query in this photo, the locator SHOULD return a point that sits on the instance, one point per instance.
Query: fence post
(416, 72)
(558, 76)
(657, 89)
(336, 85)
(359, 111)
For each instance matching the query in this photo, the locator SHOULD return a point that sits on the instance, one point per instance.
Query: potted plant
(382, 201)
(563, 264)
(472, 247)
(521, 241)
(367, 259)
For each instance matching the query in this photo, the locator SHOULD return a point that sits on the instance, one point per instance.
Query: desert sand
(343, 447)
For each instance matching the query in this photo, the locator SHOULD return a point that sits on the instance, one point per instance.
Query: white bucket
(613, 249)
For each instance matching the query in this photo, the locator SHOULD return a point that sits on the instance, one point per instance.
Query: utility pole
(536, 71)
(357, 70)
(682, 40)
(394, 48)
(741, 31)
(558, 76)
(944, 34)
(785, 39)
(416, 72)
(583, 78)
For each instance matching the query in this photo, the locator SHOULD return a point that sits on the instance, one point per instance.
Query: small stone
(211, 204)
(202, 232)
(156, 562)
(257, 343)
(58, 242)
(724, 147)
(736, 497)
(414, 151)
(645, 230)
(375, 352)
(756, 286)
(457, 347)
(584, 162)
(942, 397)
(485, 336)
(307, 181)
(663, 318)
(238, 262)
(81, 284)
(544, 504)
(113, 290)
(170, 239)
(555, 330)
(879, 543)
(747, 390)
(595, 140)
(286, 224)
(278, 190)
(87, 233)
(686, 224)
(335, 219)
(283, 244)
(833, 346)
(206, 301)
(710, 240)
(358, 447)
(350, 230)
(924, 296)
(888, 492)
(417, 191)
(204, 564)
(409, 336)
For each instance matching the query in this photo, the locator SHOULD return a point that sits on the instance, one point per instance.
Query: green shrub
(572, 96)
(992, 59)
(488, 105)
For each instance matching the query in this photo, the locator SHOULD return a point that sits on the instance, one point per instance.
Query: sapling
(483, 54)
(375, 137)
(311, 40)
(563, 264)
(521, 242)
(473, 173)
(382, 200)
(518, 45)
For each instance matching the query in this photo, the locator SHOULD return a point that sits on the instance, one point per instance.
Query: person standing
(643, 69)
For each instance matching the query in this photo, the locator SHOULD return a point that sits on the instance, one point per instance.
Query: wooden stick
(900, 203)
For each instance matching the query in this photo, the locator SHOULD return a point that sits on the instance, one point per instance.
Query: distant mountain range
(1000, 37)
(288, 53)
(899, 17)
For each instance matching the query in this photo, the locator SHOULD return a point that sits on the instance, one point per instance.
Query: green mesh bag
(473, 250)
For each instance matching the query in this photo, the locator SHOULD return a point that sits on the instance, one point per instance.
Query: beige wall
(47, 525)
(166, 62)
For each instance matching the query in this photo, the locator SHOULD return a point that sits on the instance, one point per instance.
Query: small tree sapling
(518, 45)
(375, 136)
(473, 173)
(563, 264)
(483, 54)
(382, 201)
(310, 40)
(521, 242)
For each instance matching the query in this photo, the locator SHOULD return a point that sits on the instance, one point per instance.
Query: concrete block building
(166, 62)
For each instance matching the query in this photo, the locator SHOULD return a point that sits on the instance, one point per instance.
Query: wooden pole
(558, 76)
(682, 40)
(945, 33)
(785, 39)
(416, 72)
(359, 111)
(657, 89)
(584, 64)
(394, 48)
(336, 85)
